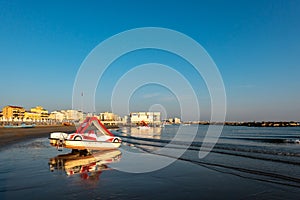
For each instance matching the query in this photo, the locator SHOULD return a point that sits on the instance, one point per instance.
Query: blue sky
(255, 45)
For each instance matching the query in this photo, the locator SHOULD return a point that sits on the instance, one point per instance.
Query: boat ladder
(60, 143)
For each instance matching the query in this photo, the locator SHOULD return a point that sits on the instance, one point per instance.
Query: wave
(233, 147)
(276, 140)
(247, 151)
(277, 178)
(248, 171)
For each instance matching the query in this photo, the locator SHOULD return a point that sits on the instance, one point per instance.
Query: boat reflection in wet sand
(88, 165)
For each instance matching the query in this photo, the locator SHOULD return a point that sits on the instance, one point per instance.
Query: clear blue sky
(255, 44)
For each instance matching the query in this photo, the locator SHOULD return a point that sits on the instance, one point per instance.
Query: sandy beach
(10, 136)
(230, 171)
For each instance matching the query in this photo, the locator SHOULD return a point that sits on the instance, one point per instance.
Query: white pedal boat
(91, 135)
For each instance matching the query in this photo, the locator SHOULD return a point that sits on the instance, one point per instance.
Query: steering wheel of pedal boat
(116, 140)
(78, 138)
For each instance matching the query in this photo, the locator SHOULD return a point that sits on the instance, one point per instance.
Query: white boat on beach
(91, 135)
(91, 145)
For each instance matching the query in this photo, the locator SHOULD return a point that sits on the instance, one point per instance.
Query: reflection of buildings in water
(150, 132)
(89, 166)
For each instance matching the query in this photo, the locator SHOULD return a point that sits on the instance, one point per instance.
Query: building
(108, 116)
(73, 115)
(57, 116)
(148, 117)
(31, 116)
(44, 114)
(13, 113)
(174, 120)
(126, 119)
(67, 115)
(37, 113)
(1, 116)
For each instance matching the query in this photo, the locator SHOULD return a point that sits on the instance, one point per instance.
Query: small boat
(20, 126)
(90, 135)
(143, 125)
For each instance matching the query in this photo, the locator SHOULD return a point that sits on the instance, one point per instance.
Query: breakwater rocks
(264, 124)
(251, 124)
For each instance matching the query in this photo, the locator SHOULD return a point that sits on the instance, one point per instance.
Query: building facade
(37, 113)
(174, 120)
(57, 116)
(44, 114)
(73, 115)
(108, 116)
(148, 117)
(13, 113)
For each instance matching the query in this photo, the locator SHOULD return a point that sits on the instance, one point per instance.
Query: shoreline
(9, 136)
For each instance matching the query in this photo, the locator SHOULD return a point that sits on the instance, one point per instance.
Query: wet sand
(10, 136)
(25, 174)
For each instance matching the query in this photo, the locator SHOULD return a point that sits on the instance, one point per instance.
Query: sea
(160, 163)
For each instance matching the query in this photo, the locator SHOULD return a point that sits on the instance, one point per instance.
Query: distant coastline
(252, 124)
(249, 124)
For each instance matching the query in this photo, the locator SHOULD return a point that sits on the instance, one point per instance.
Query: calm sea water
(267, 154)
(246, 163)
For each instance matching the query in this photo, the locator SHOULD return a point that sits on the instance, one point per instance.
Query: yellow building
(31, 116)
(13, 112)
(44, 114)
(37, 113)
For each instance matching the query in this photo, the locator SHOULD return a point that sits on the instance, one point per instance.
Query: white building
(174, 120)
(108, 116)
(57, 116)
(73, 115)
(148, 117)
(69, 115)
(177, 120)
